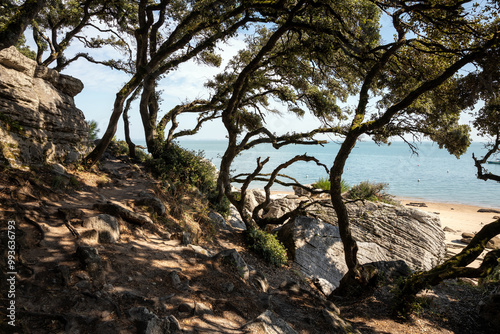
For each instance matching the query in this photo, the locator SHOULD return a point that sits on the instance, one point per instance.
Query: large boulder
(277, 207)
(39, 122)
(107, 227)
(254, 197)
(234, 220)
(150, 200)
(408, 234)
(318, 249)
(383, 232)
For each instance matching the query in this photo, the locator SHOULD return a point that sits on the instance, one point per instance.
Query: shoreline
(457, 216)
(456, 219)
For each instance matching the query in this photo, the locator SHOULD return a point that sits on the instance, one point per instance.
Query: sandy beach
(458, 217)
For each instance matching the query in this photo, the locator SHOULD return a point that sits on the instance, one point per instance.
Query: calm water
(432, 175)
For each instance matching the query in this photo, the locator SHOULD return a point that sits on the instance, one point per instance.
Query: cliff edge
(39, 122)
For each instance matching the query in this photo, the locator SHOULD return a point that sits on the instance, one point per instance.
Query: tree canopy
(301, 56)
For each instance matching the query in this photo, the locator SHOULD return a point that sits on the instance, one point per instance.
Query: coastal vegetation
(375, 192)
(268, 246)
(324, 184)
(300, 57)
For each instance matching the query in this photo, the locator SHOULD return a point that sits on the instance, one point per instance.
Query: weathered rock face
(383, 232)
(278, 206)
(39, 122)
(407, 234)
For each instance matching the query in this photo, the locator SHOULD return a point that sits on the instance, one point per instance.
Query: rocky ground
(173, 271)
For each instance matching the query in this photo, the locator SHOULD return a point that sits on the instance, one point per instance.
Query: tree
(192, 28)
(416, 77)
(281, 65)
(479, 84)
(15, 19)
(407, 86)
(63, 22)
(275, 65)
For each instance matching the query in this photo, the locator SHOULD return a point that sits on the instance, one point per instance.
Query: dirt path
(142, 269)
(150, 267)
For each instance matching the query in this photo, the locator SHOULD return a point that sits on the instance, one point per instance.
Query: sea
(431, 174)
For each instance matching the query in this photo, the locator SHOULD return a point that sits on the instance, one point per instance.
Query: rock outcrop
(39, 122)
(269, 322)
(383, 232)
(278, 207)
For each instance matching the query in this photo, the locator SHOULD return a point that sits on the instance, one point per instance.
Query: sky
(184, 84)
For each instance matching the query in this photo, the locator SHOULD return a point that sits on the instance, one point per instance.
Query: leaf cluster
(374, 192)
(268, 246)
(325, 184)
(184, 167)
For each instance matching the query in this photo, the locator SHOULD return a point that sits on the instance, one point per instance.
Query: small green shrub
(324, 184)
(121, 147)
(188, 167)
(93, 130)
(374, 192)
(268, 246)
(141, 155)
(180, 166)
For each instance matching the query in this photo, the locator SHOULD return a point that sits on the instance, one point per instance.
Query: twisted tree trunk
(14, 28)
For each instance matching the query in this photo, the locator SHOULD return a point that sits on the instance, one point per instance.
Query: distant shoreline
(407, 199)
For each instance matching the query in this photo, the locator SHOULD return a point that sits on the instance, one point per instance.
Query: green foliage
(93, 130)
(177, 164)
(374, 192)
(324, 183)
(141, 154)
(223, 207)
(268, 246)
(24, 49)
(488, 119)
(180, 166)
(118, 147)
(57, 24)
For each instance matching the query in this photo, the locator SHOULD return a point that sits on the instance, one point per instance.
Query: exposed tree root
(455, 267)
